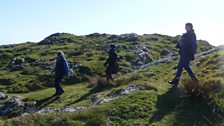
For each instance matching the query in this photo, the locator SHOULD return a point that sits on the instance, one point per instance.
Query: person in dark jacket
(61, 69)
(187, 48)
(111, 63)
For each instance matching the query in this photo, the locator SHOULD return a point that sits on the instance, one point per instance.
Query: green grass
(162, 105)
(92, 118)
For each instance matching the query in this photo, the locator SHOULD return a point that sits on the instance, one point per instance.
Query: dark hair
(189, 24)
(112, 46)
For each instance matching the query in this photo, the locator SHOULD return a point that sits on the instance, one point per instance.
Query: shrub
(6, 81)
(84, 70)
(84, 118)
(98, 82)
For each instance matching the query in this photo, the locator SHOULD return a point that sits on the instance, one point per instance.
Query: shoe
(61, 92)
(174, 82)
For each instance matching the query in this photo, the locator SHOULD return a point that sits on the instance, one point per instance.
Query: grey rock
(152, 39)
(29, 60)
(16, 68)
(94, 98)
(3, 95)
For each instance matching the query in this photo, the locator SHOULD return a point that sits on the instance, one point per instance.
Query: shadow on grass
(188, 110)
(95, 90)
(166, 104)
(46, 101)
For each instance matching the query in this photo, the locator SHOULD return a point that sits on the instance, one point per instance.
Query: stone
(6, 81)
(94, 98)
(16, 68)
(128, 37)
(29, 60)
(55, 38)
(152, 39)
(84, 70)
(3, 95)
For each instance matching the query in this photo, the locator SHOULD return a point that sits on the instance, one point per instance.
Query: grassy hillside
(31, 69)
(156, 104)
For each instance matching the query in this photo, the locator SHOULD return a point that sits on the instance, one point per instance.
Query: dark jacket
(187, 45)
(61, 67)
(112, 67)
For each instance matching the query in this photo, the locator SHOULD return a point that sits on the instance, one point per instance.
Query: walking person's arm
(66, 68)
(55, 59)
(194, 44)
(105, 64)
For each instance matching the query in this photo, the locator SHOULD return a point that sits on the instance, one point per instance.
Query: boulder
(2, 95)
(164, 52)
(16, 61)
(152, 39)
(6, 81)
(84, 70)
(129, 37)
(113, 38)
(95, 98)
(47, 65)
(16, 68)
(14, 106)
(56, 38)
(29, 60)
(94, 35)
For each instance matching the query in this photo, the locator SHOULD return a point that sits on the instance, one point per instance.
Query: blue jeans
(184, 63)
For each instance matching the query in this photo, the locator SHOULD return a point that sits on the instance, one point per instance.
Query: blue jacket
(187, 45)
(61, 68)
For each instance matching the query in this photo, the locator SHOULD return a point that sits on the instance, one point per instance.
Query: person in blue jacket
(61, 69)
(187, 48)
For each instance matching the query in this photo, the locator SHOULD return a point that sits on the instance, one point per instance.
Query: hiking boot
(58, 93)
(174, 82)
(61, 92)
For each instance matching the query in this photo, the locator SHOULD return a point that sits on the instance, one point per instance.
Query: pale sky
(33, 20)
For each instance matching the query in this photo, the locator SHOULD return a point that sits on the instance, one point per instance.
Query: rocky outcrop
(14, 106)
(29, 59)
(16, 64)
(168, 58)
(64, 109)
(56, 38)
(44, 64)
(6, 81)
(2, 95)
(152, 39)
(129, 37)
(124, 91)
(142, 52)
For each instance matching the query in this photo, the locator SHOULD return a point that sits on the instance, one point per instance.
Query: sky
(33, 20)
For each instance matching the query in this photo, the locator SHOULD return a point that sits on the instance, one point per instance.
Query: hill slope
(154, 103)
(26, 67)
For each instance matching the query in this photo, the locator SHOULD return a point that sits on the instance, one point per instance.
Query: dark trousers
(57, 83)
(109, 77)
(184, 63)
